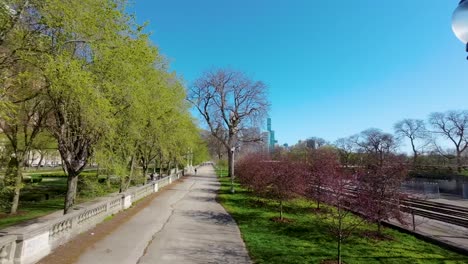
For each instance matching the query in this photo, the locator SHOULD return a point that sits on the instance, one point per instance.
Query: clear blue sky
(333, 68)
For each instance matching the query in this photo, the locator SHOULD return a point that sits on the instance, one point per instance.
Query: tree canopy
(87, 73)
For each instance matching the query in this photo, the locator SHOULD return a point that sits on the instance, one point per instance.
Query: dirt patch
(279, 220)
(331, 261)
(18, 213)
(70, 252)
(374, 235)
(257, 203)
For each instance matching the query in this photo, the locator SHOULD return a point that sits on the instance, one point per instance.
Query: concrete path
(184, 224)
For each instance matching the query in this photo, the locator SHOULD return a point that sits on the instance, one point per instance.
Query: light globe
(460, 21)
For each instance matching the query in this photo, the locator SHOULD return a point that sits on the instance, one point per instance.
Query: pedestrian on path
(195, 171)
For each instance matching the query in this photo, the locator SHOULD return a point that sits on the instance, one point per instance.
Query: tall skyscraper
(271, 136)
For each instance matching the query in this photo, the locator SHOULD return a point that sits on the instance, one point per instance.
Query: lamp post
(460, 22)
(233, 150)
(232, 169)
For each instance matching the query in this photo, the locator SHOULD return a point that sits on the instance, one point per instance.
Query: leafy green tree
(22, 109)
(61, 66)
(90, 44)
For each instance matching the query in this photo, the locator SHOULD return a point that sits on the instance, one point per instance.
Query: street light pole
(232, 169)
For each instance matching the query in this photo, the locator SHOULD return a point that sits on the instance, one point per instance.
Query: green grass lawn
(222, 171)
(306, 239)
(31, 210)
(47, 196)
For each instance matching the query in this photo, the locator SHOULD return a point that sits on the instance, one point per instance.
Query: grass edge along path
(307, 239)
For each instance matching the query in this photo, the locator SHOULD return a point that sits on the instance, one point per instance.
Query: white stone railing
(29, 244)
(7, 249)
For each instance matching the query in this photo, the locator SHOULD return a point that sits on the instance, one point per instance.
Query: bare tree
(323, 164)
(315, 142)
(345, 147)
(229, 101)
(215, 146)
(415, 131)
(342, 221)
(251, 140)
(379, 191)
(285, 180)
(376, 144)
(453, 126)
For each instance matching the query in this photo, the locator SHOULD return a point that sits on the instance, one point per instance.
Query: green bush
(5, 197)
(114, 179)
(89, 186)
(138, 180)
(34, 197)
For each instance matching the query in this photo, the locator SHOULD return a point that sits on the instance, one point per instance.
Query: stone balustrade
(7, 249)
(30, 243)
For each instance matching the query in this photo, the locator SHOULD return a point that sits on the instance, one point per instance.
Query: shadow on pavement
(210, 217)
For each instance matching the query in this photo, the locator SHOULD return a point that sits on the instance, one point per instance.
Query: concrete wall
(29, 244)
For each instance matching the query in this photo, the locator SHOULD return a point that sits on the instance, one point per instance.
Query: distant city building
(271, 136)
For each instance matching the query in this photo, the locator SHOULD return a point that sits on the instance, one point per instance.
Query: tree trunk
(122, 184)
(72, 183)
(161, 165)
(169, 168)
(130, 177)
(459, 162)
(415, 152)
(145, 170)
(41, 158)
(339, 250)
(73, 165)
(16, 193)
(415, 159)
(15, 175)
(340, 234)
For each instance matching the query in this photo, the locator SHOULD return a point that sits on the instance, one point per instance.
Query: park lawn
(31, 210)
(33, 203)
(221, 171)
(306, 239)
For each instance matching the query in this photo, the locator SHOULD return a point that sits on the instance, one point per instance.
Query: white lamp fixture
(460, 22)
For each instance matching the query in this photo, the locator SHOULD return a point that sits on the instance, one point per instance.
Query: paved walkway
(184, 224)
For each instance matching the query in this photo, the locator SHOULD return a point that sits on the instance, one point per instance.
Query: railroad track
(452, 214)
